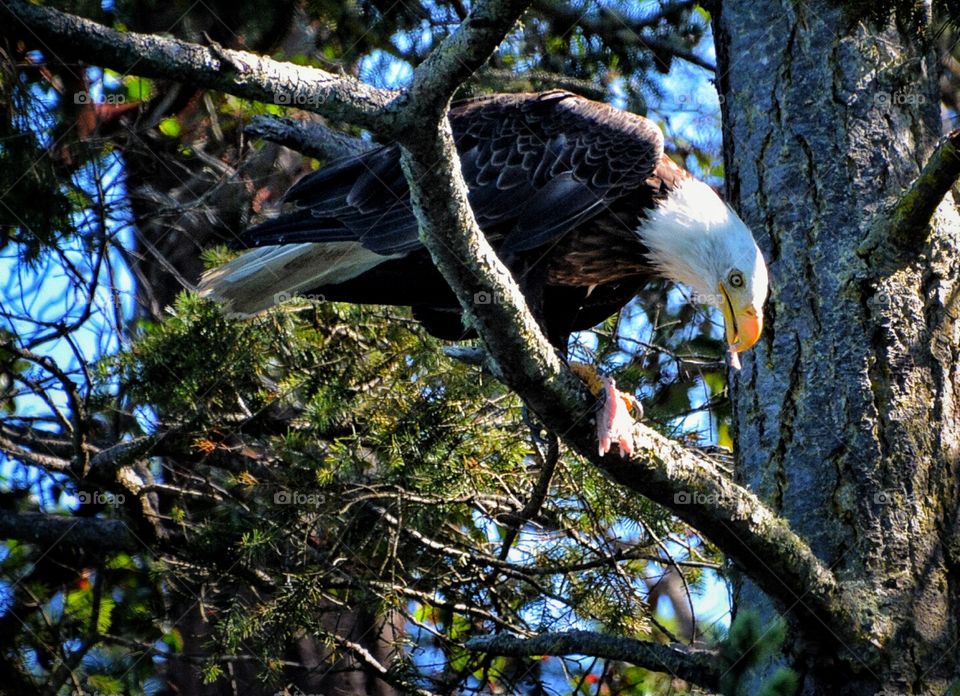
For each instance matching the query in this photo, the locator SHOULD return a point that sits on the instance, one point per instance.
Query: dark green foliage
(909, 15)
(345, 32)
(604, 41)
(373, 488)
(749, 645)
(912, 17)
(196, 364)
(10, 367)
(784, 682)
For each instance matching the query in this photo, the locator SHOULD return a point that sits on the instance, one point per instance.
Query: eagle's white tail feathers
(261, 278)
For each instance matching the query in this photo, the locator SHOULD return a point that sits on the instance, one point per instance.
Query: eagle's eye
(735, 279)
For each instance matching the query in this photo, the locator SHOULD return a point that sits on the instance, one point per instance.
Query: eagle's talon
(614, 420)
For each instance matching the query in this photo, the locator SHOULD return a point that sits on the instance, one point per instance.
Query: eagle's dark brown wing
(537, 166)
(540, 165)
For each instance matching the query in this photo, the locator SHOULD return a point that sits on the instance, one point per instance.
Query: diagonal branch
(904, 229)
(759, 541)
(364, 657)
(455, 60)
(699, 666)
(695, 488)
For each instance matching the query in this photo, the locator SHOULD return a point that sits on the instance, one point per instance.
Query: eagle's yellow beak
(743, 323)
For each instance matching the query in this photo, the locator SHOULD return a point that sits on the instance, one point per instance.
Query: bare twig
(362, 655)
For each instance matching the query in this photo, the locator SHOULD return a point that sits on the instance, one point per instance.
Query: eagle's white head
(696, 239)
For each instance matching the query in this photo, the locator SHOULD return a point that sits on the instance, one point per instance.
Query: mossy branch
(61, 36)
(900, 233)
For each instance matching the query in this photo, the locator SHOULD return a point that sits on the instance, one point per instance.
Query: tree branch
(620, 31)
(91, 535)
(364, 657)
(309, 137)
(29, 456)
(905, 228)
(455, 60)
(49, 443)
(539, 80)
(239, 73)
(699, 666)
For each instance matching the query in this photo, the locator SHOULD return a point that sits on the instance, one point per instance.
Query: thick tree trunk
(847, 409)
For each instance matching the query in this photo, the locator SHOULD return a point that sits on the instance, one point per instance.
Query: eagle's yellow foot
(614, 420)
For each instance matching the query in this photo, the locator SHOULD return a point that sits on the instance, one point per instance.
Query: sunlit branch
(61, 36)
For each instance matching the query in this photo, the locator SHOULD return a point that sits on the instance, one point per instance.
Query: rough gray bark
(846, 412)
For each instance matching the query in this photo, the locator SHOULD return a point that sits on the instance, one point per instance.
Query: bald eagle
(577, 197)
